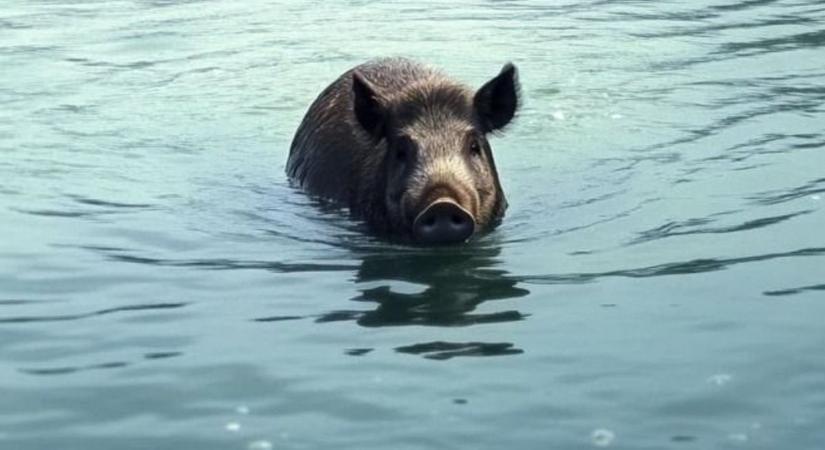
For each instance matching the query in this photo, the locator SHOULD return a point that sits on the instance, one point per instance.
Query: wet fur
(334, 157)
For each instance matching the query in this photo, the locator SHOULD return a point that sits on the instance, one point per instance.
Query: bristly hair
(435, 98)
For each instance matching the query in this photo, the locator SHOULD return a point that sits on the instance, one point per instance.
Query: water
(658, 282)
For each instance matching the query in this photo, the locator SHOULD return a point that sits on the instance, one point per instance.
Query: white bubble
(738, 437)
(260, 445)
(242, 410)
(616, 116)
(602, 437)
(558, 115)
(233, 426)
(720, 379)
(816, 197)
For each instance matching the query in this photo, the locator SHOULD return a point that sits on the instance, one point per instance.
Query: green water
(657, 283)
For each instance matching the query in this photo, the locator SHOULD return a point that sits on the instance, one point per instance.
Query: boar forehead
(433, 104)
(438, 135)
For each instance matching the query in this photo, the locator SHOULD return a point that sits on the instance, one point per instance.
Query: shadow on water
(429, 287)
(440, 287)
(434, 287)
(452, 284)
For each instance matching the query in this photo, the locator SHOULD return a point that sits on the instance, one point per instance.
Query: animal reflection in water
(451, 285)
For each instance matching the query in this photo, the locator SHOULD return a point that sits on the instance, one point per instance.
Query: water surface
(658, 282)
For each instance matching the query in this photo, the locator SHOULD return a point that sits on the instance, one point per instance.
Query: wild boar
(405, 148)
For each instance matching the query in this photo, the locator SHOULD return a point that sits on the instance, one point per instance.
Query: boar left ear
(367, 106)
(497, 101)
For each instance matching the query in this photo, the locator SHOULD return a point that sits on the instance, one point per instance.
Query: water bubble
(616, 116)
(602, 437)
(816, 197)
(738, 437)
(233, 426)
(260, 445)
(720, 379)
(558, 115)
(242, 410)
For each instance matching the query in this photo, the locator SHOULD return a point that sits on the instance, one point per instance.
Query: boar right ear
(367, 106)
(496, 102)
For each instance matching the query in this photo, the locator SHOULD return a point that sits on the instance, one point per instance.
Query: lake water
(657, 283)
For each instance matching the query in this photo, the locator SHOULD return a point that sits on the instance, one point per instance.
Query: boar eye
(401, 154)
(475, 148)
(403, 150)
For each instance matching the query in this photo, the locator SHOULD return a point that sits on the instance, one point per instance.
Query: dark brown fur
(388, 145)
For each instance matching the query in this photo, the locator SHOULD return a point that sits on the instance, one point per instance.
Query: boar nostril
(442, 222)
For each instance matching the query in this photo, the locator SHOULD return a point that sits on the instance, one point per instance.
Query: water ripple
(695, 226)
(812, 39)
(101, 312)
(775, 197)
(675, 268)
(229, 264)
(799, 290)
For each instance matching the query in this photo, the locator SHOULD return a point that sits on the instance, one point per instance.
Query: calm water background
(659, 278)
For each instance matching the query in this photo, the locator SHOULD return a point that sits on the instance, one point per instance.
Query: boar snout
(443, 222)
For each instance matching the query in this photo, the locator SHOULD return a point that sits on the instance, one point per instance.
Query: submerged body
(405, 149)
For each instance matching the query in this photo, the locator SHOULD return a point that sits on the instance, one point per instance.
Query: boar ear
(496, 102)
(368, 108)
